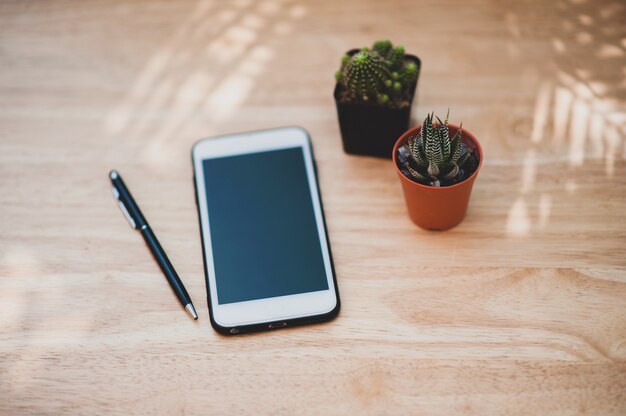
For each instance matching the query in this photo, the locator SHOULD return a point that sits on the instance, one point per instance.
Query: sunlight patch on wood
(542, 110)
(578, 133)
(545, 206)
(562, 103)
(518, 221)
(529, 171)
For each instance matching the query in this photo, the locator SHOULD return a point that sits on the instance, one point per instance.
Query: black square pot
(369, 129)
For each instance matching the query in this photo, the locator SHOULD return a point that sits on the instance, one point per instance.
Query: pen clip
(130, 219)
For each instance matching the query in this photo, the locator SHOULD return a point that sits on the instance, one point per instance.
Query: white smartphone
(267, 259)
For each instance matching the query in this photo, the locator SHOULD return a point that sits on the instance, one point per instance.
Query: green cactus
(410, 73)
(382, 47)
(434, 157)
(378, 75)
(396, 57)
(367, 76)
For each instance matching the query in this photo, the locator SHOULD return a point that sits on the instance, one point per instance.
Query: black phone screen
(264, 234)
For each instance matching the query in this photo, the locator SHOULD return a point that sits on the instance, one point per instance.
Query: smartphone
(267, 258)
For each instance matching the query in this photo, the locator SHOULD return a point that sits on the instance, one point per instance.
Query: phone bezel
(256, 314)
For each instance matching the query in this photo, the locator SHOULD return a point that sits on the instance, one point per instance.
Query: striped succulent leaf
(433, 169)
(437, 153)
(463, 159)
(412, 142)
(425, 130)
(416, 173)
(456, 145)
(453, 172)
(456, 148)
(420, 157)
(417, 152)
(445, 138)
(431, 142)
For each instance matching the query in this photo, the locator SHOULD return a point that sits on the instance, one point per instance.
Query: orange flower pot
(438, 208)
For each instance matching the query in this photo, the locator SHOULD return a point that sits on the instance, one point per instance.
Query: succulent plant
(378, 75)
(435, 159)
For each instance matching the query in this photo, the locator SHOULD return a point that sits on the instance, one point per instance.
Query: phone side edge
(335, 311)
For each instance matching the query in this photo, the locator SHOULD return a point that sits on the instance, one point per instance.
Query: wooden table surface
(519, 310)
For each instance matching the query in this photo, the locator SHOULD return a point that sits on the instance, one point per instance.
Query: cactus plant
(378, 75)
(433, 158)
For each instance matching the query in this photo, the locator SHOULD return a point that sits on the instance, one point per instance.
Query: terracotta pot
(438, 208)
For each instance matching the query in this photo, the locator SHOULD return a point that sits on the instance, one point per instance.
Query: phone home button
(277, 325)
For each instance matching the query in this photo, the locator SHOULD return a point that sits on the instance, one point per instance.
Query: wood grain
(519, 310)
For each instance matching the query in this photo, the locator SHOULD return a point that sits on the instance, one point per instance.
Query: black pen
(136, 219)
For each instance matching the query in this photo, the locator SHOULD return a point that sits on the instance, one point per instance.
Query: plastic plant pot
(370, 129)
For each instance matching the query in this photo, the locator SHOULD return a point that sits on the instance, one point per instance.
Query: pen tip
(113, 174)
(192, 311)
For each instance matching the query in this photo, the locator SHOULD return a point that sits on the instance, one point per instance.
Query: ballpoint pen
(133, 214)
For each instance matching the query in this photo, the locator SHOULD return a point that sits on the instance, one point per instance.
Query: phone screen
(264, 235)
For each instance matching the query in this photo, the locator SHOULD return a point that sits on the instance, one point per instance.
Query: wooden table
(519, 310)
